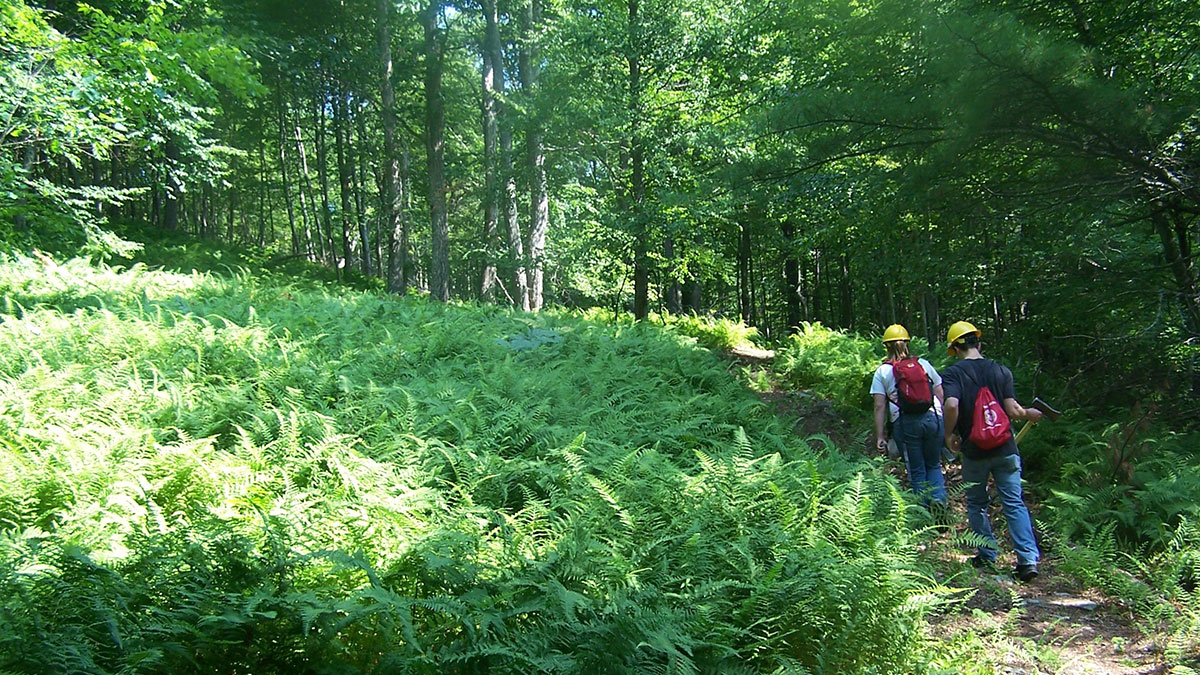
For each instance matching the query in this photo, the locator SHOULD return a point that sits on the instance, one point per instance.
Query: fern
(255, 475)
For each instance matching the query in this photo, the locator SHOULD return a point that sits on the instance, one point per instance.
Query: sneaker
(1026, 572)
(983, 564)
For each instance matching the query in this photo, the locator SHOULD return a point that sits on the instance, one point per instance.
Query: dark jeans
(920, 439)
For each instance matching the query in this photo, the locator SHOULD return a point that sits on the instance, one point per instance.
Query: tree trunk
(791, 276)
(113, 209)
(435, 127)
(817, 286)
(844, 291)
(341, 131)
(230, 220)
(325, 233)
(745, 302)
(358, 164)
(1177, 253)
(262, 192)
(405, 209)
(641, 265)
(539, 200)
(283, 176)
(20, 220)
(932, 316)
(393, 191)
(493, 79)
(693, 295)
(171, 198)
(512, 225)
(673, 293)
(305, 190)
(752, 278)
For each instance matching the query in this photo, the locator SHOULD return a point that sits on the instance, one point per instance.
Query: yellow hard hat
(894, 332)
(959, 329)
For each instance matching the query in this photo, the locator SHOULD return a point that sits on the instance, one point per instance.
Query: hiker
(979, 404)
(908, 391)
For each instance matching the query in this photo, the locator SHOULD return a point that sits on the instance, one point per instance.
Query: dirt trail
(1050, 625)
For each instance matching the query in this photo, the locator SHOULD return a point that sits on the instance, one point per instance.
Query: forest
(350, 336)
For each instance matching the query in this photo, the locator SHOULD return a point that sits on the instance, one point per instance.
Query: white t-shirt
(884, 382)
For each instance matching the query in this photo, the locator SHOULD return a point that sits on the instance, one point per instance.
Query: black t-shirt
(962, 381)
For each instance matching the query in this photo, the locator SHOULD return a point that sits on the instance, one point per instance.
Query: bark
(508, 205)
(745, 302)
(493, 78)
(171, 198)
(673, 293)
(262, 192)
(202, 212)
(693, 295)
(752, 277)
(818, 285)
(325, 228)
(791, 277)
(20, 220)
(539, 200)
(1172, 233)
(113, 209)
(230, 221)
(358, 177)
(156, 204)
(393, 191)
(844, 292)
(435, 146)
(305, 190)
(405, 209)
(641, 271)
(287, 189)
(341, 131)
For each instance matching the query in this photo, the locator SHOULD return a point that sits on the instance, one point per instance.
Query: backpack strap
(971, 375)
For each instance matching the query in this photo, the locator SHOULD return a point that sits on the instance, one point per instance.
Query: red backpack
(990, 426)
(913, 391)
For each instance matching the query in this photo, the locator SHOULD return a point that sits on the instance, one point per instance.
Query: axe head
(1046, 409)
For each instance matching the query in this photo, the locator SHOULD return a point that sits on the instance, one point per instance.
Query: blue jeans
(920, 440)
(1006, 473)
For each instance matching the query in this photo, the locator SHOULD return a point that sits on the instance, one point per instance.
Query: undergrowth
(1119, 499)
(242, 472)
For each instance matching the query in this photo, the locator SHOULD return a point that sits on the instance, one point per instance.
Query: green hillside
(237, 473)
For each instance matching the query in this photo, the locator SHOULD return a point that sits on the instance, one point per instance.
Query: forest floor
(1049, 625)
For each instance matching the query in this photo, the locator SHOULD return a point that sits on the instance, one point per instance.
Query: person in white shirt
(916, 423)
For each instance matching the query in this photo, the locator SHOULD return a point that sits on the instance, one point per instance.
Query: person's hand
(881, 444)
(953, 442)
(1033, 415)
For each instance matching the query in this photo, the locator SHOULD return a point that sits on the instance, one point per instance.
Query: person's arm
(1017, 412)
(881, 405)
(935, 381)
(1014, 409)
(950, 417)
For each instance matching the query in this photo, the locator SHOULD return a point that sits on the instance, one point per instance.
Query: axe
(1047, 411)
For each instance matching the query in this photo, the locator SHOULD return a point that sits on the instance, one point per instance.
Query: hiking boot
(983, 564)
(1026, 572)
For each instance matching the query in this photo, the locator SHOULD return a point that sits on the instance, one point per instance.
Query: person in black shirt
(962, 382)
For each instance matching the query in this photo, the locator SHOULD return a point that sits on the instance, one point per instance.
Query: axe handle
(1024, 430)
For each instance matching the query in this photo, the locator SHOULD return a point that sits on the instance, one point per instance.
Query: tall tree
(435, 146)
(539, 199)
(492, 80)
(637, 161)
(392, 201)
(508, 177)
